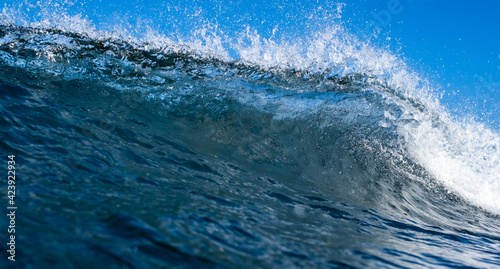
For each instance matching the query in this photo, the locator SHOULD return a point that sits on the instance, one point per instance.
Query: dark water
(129, 157)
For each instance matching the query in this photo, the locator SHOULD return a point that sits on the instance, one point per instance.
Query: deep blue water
(157, 153)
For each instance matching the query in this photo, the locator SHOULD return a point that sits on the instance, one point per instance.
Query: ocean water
(151, 152)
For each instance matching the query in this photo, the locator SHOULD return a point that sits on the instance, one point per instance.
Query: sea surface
(155, 153)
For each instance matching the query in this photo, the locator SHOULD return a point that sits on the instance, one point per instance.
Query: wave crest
(368, 95)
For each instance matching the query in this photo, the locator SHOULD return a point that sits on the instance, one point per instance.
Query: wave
(343, 106)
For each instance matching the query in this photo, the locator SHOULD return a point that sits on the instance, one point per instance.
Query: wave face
(150, 153)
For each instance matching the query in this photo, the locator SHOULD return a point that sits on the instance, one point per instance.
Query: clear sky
(456, 44)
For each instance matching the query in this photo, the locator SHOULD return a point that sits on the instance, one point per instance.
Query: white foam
(465, 157)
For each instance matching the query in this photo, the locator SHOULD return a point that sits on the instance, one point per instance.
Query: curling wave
(342, 108)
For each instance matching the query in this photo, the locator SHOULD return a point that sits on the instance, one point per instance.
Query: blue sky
(455, 44)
